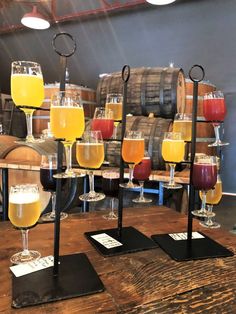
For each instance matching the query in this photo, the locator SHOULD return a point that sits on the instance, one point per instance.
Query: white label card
(27, 268)
(184, 236)
(107, 241)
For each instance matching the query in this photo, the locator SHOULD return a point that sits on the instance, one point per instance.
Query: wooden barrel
(10, 151)
(42, 117)
(153, 130)
(156, 90)
(205, 130)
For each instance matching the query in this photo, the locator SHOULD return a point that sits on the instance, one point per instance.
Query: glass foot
(211, 224)
(31, 141)
(172, 186)
(129, 185)
(218, 143)
(51, 216)
(110, 216)
(142, 200)
(92, 197)
(64, 175)
(20, 258)
(202, 213)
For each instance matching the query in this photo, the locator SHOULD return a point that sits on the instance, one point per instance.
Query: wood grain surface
(142, 282)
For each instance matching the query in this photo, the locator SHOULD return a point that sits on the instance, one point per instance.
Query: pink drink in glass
(214, 109)
(142, 170)
(204, 176)
(106, 127)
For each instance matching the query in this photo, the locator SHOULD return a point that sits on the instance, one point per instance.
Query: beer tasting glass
(204, 179)
(90, 155)
(67, 123)
(48, 169)
(142, 172)
(24, 212)
(115, 103)
(183, 124)
(173, 150)
(214, 110)
(110, 186)
(213, 197)
(132, 151)
(27, 91)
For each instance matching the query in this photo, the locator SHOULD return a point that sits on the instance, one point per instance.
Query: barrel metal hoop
(174, 88)
(161, 92)
(151, 137)
(143, 90)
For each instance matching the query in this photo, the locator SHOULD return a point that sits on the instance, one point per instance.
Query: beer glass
(204, 179)
(90, 155)
(110, 186)
(213, 197)
(173, 149)
(24, 212)
(27, 91)
(67, 123)
(133, 147)
(214, 110)
(142, 172)
(114, 102)
(48, 169)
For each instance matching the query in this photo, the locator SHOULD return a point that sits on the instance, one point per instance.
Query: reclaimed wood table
(141, 282)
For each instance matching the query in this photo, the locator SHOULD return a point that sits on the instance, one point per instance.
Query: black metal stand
(72, 275)
(130, 239)
(185, 246)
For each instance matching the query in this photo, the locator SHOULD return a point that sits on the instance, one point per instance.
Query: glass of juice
(90, 155)
(132, 152)
(114, 102)
(27, 91)
(110, 186)
(204, 178)
(24, 212)
(67, 124)
(142, 172)
(214, 110)
(48, 168)
(213, 197)
(173, 150)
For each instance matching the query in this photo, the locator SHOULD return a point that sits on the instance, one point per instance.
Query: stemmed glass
(132, 153)
(141, 173)
(110, 186)
(67, 122)
(213, 197)
(214, 110)
(90, 155)
(103, 121)
(204, 179)
(115, 102)
(48, 169)
(173, 149)
(24, 212)
(27, 91)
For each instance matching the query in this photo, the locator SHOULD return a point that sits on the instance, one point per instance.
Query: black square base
(76, 277)
(132, 241)
(180, 250)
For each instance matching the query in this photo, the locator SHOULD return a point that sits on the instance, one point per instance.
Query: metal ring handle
(191, 70)
(57, 51)
(125, 73)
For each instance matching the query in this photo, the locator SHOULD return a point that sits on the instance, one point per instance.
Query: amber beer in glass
(173, 149)
(115, 103)
(183, 124)
(24, 212)
(90, 155)
(133, 147)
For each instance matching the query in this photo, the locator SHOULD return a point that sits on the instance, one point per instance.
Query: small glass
(24, 212)
(90, 155)
(110, 186)
(173, 150)
(114, 102)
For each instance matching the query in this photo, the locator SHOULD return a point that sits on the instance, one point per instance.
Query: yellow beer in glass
(115, 103)
(183, 124)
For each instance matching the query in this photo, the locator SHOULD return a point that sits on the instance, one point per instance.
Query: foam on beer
(23, 198)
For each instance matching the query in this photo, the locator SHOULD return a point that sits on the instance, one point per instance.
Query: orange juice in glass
(67, 123)
(173, 149)
(133, 148)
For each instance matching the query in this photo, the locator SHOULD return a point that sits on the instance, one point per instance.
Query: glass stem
(29, 125)
(91, 183)
(68, 152)
(24, 233)
(112, 205)
(53, 212)
(209, 217)
(203, 207)
(172, 174)
(131, 171)
(141, 189)
(216, 130)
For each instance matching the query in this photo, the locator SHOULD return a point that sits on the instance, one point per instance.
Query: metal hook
(191, 71)
(57, 51)
(125, 73)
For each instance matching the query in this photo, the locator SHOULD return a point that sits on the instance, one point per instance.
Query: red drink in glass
(204, 176)
(142, 170)
(214, 109)
(106, 127)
